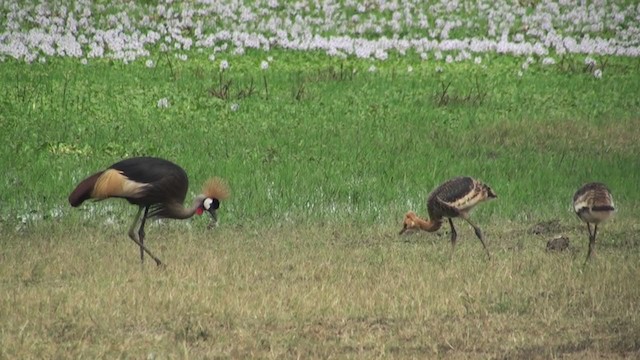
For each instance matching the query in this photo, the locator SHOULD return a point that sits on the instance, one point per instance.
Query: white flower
(235, 107)
(449, 59)
(163, 103)
(224, 65)
(439, 69)
(478, 60)
(212, 57)
(597, 74)
(520, 73)
(149, 63)
(381, 54)
(424, 56)
(264, 65)
(182, 57)
(410, 69)
(548, 61)
(84, 61)
(372, 68)
(589, 61)
(269, 58)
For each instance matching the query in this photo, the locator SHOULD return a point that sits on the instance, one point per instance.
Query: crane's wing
(167, 182)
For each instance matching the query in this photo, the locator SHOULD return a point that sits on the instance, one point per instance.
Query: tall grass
(332, 142)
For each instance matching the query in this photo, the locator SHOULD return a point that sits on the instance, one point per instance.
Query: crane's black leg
(141, 233)
(454, 237)
(479, 235)
(592, 240)
(132, 235)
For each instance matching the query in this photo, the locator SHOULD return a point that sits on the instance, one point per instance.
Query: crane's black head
(214, 191)
(211, 205)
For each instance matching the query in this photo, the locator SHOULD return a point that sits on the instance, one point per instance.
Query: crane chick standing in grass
(157, 186)
(593, 203)
(454, 198)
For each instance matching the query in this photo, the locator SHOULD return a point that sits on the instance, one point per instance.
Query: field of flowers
(448, 30)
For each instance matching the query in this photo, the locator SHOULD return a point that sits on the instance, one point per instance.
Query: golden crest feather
(216, 188)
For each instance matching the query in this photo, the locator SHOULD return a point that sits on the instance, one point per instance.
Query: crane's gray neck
(181, 212)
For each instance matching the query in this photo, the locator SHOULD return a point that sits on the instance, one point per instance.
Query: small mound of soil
(559, 243)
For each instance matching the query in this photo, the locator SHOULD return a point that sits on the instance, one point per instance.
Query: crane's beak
(404, 228)
(214, 218)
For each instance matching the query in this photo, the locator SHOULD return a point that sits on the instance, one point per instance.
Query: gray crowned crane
(157, 186)
(453, 199)
(593, 203)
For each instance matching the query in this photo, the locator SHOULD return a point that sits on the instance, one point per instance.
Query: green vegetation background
(318, 139)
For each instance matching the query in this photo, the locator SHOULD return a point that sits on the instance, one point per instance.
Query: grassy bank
(323, 156)
(324, 140)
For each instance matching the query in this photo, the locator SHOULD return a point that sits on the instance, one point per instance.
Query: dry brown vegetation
(334, 291)
(571, 136)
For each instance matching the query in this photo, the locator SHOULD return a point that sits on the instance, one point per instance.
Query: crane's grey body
(157, 186)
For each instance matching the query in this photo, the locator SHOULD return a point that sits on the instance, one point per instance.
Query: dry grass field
(334, 291)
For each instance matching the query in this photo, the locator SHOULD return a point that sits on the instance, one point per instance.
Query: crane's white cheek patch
(207, 203)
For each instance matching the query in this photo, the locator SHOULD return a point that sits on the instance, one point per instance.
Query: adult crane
(157, 186)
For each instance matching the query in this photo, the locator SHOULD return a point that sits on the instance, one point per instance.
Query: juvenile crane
(157, 186)
(593, 203)
(453, 199)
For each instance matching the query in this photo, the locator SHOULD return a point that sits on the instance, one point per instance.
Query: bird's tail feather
(489, 191)
(83, 191)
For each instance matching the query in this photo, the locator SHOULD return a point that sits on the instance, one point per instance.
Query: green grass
(307, 261)
(320, 147)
